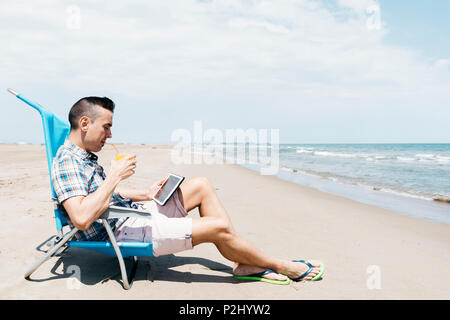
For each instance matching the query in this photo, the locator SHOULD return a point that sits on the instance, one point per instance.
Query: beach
(369, 252)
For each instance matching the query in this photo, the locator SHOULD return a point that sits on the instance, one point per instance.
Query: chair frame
(62, 240)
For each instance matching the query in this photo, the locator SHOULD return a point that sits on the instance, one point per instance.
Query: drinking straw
(113, 147)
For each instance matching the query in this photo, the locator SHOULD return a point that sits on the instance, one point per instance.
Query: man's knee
(223, 230)
(211, 229)
(204, 185)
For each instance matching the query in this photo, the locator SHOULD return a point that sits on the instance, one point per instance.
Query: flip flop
(309, 264)
(259, 277)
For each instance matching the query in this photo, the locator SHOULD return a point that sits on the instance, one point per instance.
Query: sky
(319, 71)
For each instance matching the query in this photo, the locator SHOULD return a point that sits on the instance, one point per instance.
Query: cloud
(298, 50)
(442, 64)
(358, 6)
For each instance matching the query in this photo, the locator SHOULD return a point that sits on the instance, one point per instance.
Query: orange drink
(120, 156)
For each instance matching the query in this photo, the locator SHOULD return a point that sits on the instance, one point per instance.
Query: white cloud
(442, 64)
(358, 6)
(297, 50)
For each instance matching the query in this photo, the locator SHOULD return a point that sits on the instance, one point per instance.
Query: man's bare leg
(198, 192)
(214, 225)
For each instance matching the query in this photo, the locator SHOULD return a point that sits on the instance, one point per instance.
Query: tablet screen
(169, 188)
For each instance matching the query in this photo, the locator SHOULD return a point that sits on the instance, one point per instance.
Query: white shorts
(169, 229)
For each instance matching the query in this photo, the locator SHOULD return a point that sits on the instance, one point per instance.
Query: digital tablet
(171, 184)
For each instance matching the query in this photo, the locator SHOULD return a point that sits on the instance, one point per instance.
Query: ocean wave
(442, 159)
(298, 171)
(303, 151)
(319, 175)
(403, 193)
(425, 155)
(390, 190)
(432, 158)
(335, 154)
(408, 159)
(369, 157)
(419, 158)
(363, 156)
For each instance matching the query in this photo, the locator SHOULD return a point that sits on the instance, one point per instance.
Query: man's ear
(84, 123)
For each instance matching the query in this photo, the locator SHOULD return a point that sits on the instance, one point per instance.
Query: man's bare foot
(296, 269)
(245, 270)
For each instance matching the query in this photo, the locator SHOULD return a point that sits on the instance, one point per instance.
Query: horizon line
(281, 143)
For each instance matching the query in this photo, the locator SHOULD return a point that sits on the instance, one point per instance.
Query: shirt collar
(83, 154)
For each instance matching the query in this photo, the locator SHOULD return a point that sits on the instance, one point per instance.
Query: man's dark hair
(86, 107)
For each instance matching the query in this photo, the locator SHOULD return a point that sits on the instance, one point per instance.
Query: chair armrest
(121, 212)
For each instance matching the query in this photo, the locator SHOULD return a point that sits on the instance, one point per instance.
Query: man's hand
(156, 189)
(123, 168)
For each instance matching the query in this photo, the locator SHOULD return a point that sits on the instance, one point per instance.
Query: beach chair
(55, 133)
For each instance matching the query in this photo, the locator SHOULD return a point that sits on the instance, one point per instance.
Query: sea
(413, 179)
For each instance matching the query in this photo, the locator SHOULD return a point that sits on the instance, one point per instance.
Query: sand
(369, 252)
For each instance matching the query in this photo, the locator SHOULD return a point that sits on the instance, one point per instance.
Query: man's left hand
(156, 189)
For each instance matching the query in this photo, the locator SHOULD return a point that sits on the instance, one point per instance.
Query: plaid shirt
(76, 172)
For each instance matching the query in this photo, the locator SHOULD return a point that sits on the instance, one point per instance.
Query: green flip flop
(309, 264)
(259, 277)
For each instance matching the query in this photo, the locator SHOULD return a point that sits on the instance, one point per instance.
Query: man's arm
(134, 194)
(84, 210)
(140, 194)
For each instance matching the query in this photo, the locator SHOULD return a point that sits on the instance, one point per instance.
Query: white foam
(425, 155)
(420, 157)
(335, 154)
(405, 159)
(442, 159)
(302, 172)
(405, 194)
(303, 151)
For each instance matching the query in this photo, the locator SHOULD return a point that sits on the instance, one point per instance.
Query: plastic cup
(120, 156)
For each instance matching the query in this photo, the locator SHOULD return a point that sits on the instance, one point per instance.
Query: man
(85, 192)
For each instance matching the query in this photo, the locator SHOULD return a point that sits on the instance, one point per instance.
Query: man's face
(98, 130)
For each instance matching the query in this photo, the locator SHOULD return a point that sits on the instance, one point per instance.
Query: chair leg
(134, 261)
(50, 253)
(123, 269)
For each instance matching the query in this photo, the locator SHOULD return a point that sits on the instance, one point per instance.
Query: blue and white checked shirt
(76, 172)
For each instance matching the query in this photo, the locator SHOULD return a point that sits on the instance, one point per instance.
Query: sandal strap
(306, 273)
(260, 274)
